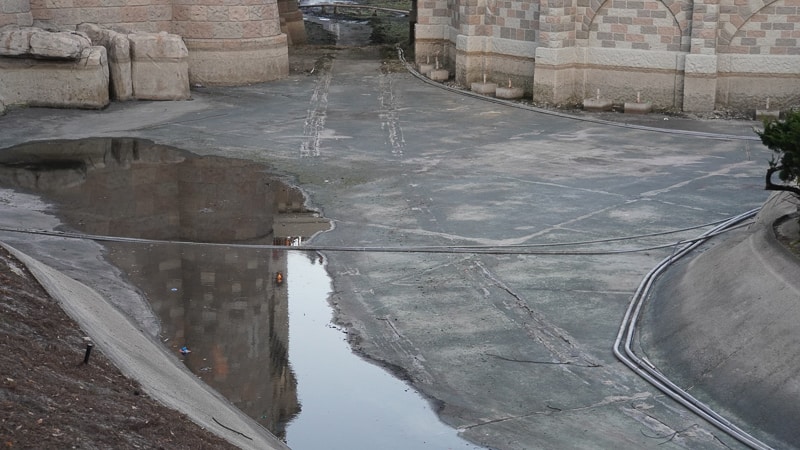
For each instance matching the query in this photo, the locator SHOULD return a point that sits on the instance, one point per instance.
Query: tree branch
(770, 186)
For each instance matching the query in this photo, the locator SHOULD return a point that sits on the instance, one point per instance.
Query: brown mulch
(50, 399)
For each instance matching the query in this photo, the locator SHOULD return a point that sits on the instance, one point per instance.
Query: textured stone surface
(119, 58)
(637, 108)
(82, 83)
(439, 75)
(159, 66)
(37, 43)
(486, 88)
(650, 37)
(510, 93)
(597, 104)
(225, 62)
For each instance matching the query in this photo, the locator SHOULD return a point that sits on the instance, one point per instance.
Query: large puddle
(253, 323)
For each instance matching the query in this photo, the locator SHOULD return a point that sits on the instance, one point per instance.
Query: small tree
(783, 138)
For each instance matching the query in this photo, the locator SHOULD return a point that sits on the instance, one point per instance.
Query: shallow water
(347, 402)
(244, 311)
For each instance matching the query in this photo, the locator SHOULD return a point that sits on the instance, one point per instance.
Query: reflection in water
(227, 305)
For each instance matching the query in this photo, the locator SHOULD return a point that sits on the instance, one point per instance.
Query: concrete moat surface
(514, 348)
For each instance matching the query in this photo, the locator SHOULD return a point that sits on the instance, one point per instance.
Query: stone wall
(229, 42)
(679, 54)
(135, 15)
(232, 42)
(57, 69)
(15, 12)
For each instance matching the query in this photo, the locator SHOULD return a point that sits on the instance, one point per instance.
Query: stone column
(432, 31)
(472, 41)
(700, 75)
(232, 43)
(292, 22)
(556, 55)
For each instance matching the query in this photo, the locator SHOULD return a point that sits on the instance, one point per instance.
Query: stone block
(15, 41)
(484, 88)
(597, 104)
(767, 115)
(439, 75)
(119, 66)
(425, 69)
(119, 58)
(82, 83)
(509, 93)
(30, 42)
(637, 107)
(59, 45)
(97, 34)
(159, 66)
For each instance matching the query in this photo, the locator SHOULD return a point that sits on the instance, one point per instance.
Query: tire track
(317, 110)
(389, 114)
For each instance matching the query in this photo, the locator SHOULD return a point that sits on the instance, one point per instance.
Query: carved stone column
(232, 44)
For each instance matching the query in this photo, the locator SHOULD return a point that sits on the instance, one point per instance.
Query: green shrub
(783, 138)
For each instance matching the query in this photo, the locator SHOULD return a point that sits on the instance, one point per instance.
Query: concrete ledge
(758, 64)
(725, 323)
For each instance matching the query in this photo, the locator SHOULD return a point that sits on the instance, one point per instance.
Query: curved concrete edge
(725, 323)
(148, 362)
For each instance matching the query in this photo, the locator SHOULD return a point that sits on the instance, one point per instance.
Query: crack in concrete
(555, 410)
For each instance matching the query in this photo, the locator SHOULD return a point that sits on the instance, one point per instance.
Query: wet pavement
(514, 346)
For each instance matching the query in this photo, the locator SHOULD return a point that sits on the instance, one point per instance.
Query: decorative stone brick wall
(774, 30)
(135, 15)
(15, 12)
(637, 25)
(759, 59)
(435, 21)
(230, 41)
(695, 55)
(239, 41)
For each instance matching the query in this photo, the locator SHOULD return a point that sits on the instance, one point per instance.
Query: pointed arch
(733, 24)
(638, 24)
(681, 10)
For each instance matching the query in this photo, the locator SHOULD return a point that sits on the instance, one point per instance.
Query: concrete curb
(725, 323)
(139, 357)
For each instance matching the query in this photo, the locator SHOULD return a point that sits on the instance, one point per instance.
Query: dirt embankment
(50, 399)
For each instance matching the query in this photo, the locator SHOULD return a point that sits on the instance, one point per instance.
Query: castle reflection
(226, 306)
